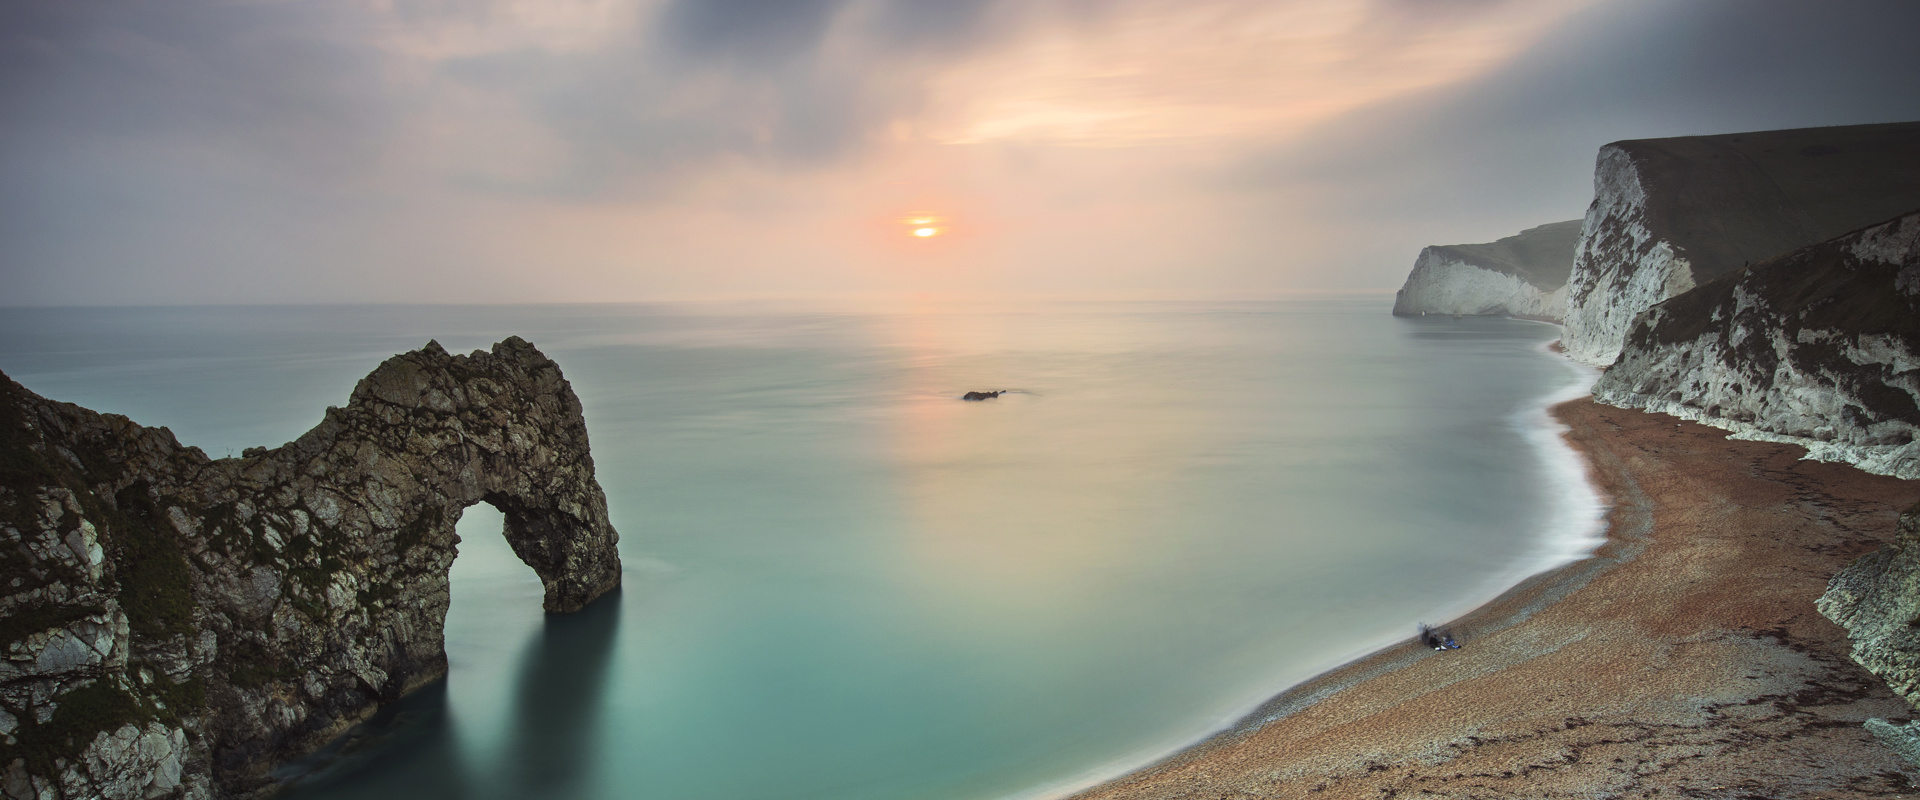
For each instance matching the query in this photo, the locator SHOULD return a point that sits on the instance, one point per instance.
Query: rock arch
(246, 610)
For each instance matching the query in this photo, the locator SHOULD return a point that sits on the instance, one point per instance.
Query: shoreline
(1576, 533)
(1682, 657)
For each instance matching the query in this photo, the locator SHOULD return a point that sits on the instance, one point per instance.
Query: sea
(844, 582)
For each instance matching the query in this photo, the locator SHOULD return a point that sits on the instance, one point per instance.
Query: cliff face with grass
(1523, 275)
(1672, 214)
(175, 625)
(1819, 347)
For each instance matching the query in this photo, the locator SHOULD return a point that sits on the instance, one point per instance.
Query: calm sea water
(845, 583)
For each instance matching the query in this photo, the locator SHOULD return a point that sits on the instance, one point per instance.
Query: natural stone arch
(258, 606)
(502, 428)
(382, 481)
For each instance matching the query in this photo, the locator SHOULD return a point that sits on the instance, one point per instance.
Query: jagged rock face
(1820, 347)
(1621, 265)
(1671, 214)
(175, 625)
(1523, 275)
(1877, 599)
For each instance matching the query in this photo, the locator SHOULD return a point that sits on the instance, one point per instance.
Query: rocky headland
(1672, 214)
(1524, 275)
(175, 626)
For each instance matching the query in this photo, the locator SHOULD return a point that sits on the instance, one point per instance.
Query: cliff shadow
(407, 749)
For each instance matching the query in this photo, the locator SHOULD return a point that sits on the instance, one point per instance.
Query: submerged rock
(1524, 275)
(1672, 214)
(174, 626)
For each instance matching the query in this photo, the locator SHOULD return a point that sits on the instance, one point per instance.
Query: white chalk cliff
(1524, 275)
(1819, 347)
(1817, 344)
(1671, 214)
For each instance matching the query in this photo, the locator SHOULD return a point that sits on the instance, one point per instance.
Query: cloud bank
(422, 150)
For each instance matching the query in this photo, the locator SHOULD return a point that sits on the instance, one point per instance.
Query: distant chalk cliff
(1819, 347)
(175, 626)
(1672, 214)
(1524, 275)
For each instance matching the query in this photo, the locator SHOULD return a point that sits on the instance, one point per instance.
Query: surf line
(1563, 561)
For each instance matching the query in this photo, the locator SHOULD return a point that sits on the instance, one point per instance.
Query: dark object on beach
(1437, 639)
(981, 395)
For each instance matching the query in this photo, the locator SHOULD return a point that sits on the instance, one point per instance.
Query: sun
(924, 226)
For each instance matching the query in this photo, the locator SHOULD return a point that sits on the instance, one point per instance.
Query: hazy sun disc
(924, 232)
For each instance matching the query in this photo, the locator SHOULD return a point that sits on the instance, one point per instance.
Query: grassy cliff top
(1541, 255)
(1733, 199)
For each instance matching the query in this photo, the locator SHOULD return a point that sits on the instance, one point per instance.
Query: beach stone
(1901, 739)
(224, 615)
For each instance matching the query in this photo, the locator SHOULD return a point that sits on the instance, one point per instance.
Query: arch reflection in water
(554, 741)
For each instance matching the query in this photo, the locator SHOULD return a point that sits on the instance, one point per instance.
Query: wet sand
(1685, 659)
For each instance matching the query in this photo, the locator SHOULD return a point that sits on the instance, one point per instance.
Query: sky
(389, 151)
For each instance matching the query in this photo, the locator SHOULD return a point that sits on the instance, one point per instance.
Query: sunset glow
(995, 399)
(659, 149)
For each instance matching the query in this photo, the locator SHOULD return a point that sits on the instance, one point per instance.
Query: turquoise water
(843, 582)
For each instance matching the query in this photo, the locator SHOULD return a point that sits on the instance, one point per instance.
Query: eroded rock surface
(1672, 214)
(1819, 347)
(1877, 599)
(1524, 275)
(174, 625)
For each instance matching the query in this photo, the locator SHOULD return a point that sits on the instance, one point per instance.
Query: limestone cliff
(1524, 275)
(1877, 599)
(1671, 214)
(175, 625)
